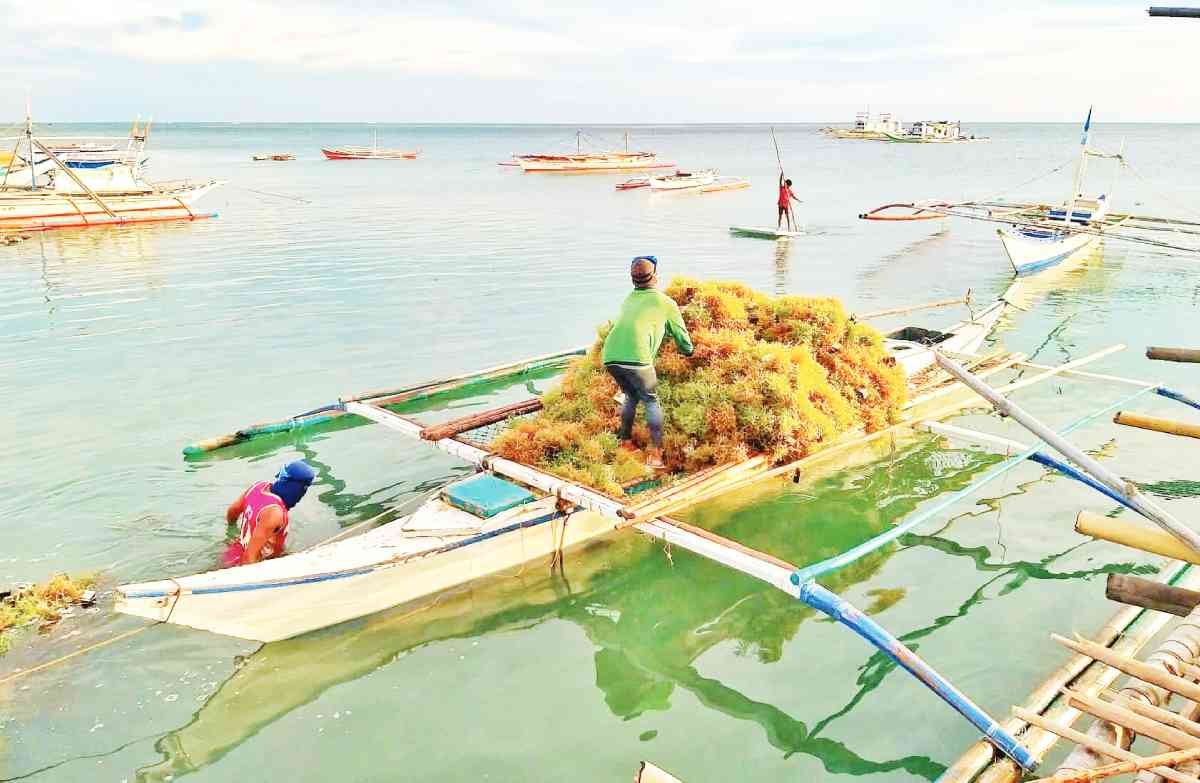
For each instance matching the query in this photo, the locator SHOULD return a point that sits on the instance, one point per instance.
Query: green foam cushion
(485, 496)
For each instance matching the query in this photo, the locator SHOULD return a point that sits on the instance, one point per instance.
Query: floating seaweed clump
(40, 603)
(779, 376)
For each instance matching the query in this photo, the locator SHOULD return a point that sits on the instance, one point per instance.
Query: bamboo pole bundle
(1127, 631)
(1157, 424)
(449, 429)
(1154, 681)
(717, 484)
(1132, 720)
(1123, 767)
(1112, 751)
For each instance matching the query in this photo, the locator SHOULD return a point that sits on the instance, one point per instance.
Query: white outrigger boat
(1039, 236)
(684, 180)
(931, 132)
(75, 193)
(502, 518)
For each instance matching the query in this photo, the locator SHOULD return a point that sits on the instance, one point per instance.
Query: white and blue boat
(1053, 239)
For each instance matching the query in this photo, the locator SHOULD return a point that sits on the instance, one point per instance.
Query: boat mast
(627, 139)
(1079, 169)
(579, 142)
(29, 138)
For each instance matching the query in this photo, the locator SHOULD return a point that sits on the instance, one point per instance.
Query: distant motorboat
(274, 156)
(867, 128)
(933, 132)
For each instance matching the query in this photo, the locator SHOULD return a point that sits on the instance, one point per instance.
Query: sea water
(321, 279)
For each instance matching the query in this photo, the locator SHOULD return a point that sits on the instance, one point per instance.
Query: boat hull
(41, 211)
(591, 164)
(415, 557)
(367, 154)
(1029, 256)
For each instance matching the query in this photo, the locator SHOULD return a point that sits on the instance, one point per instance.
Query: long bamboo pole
(965, 299)
(1165, 717)
(1134, 535)
(1132, 666)
(1157, 424)
(1173, 354)
(1139, 724)
(1134, 496)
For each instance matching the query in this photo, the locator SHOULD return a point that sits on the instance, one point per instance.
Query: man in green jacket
(647, 315)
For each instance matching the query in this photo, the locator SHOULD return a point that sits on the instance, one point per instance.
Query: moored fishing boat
(582, 161)
(374, 152)
(486, 524)
(932, 132)
(116, 193)
(1040, 236)
(684, 180)
(867, 128)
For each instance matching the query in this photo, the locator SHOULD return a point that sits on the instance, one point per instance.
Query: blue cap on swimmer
(292, 481)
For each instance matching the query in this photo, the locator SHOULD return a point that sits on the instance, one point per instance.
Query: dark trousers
(638, 383)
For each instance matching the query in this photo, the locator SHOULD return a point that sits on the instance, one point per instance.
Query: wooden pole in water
(1173, 354)
(1134, 535)
(1136, 764)
(1157, 424)
(1148, 594)
(1128, 490)
(966, 299)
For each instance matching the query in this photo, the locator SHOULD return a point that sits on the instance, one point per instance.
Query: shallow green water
(119, 347)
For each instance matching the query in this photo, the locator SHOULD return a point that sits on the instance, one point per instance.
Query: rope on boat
(297, 199)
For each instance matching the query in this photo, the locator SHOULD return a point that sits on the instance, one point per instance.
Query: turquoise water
(321, 279)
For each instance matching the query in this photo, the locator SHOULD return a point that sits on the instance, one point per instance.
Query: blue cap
(297, 470)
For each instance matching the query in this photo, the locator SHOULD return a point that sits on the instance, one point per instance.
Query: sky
(515, 61)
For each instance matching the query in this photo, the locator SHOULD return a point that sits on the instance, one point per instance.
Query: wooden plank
(1173, 354)
(1149, 594)
(449, 429)
(1157, 424)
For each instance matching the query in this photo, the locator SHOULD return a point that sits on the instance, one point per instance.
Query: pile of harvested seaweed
(779, 376)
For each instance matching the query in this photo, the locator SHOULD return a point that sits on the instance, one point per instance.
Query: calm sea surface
(319, 279)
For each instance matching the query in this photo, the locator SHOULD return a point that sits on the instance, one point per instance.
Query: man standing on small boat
(261, 513)
(647, 315)
(786, 197)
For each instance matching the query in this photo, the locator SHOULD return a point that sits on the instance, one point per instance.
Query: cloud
(708, 59)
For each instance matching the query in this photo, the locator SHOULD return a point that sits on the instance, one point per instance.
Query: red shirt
(785, 195)
(258, 498)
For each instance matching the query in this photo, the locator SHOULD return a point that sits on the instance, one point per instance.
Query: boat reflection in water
(648, 636)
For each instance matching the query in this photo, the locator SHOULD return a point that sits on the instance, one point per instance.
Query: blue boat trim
(1046, 263)
(1171, 394)
(304, 580)
(870, 545)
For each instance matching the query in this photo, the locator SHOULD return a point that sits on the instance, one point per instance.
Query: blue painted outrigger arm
(848, 615)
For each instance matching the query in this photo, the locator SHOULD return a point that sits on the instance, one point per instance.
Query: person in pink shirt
(261, 514)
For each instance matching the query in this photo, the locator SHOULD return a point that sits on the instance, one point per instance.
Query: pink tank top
(258, 498)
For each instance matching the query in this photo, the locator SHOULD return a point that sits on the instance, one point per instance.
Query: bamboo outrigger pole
(1133, 497)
